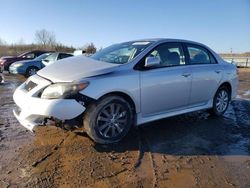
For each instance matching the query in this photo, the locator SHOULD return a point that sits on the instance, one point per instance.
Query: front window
(121, 53)
(169, 54)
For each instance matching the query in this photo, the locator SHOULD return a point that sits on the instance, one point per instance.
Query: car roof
(161, 40)
(165, 40)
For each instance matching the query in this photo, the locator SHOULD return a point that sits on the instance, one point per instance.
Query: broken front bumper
(33, 110)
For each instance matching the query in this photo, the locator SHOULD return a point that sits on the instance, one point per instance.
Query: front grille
(30, 85)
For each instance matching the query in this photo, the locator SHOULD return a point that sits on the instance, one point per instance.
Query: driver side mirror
(152, 61)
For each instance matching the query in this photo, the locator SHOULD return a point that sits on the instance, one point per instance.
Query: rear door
(206, 74)
(166, 87)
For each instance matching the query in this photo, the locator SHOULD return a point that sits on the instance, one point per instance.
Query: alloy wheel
(222, 101)
(112, 120)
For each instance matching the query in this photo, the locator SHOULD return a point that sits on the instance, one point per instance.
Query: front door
(165, 87)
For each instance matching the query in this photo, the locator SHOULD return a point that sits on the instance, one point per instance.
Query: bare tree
(89, 48)
(45, 38)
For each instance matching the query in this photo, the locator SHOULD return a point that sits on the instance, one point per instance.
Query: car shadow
(195, 133)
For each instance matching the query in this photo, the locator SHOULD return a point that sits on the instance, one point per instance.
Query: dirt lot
(192, 150)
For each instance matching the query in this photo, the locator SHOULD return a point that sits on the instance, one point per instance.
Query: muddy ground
(192, 150)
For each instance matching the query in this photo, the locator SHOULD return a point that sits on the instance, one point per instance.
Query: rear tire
(220, 102)
(108, 120)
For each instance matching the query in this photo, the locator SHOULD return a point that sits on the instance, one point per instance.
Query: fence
(239, 61)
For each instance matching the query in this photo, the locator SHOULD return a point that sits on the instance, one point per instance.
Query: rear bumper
(33, 110)
(234, 85)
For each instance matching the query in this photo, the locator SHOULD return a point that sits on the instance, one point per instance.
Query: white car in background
(127, 84)
(55, 57)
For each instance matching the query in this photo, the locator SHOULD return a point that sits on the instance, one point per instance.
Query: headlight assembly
(17, 65)
(62, 90)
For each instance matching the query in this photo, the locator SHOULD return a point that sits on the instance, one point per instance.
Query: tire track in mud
(144, 146)
(43, 176)
(141, 149)
(154, 170)
(54, 149)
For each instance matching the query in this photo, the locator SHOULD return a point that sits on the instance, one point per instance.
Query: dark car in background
(30, 67)
(6, 61)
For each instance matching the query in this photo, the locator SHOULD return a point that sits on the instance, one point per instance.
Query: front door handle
(186, 74)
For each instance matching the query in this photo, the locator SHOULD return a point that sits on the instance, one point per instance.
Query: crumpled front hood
(75, 68)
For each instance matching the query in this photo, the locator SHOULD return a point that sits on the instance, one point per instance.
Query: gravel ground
(192, 150)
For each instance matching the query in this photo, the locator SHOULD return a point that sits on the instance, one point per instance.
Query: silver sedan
(127, 84)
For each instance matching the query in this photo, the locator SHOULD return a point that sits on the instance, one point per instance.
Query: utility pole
(231, 51)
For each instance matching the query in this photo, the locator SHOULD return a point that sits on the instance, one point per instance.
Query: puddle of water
(246, 93)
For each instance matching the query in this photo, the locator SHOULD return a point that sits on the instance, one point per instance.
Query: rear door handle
(218, 71)
(186, 74)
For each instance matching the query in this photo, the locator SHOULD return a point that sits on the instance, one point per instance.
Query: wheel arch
(228, 86)
(125, 96)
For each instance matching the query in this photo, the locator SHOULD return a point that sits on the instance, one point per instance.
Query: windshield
(42, 57)
(23, 54)
(121, 53)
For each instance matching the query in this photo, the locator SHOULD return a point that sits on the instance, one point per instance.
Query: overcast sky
(220, 24)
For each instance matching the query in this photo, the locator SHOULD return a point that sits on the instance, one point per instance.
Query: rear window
(200, 55)
(62, 56)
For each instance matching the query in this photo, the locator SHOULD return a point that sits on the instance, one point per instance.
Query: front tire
(220, 101)
(31, 71)
(108, 120)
